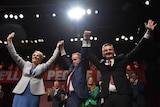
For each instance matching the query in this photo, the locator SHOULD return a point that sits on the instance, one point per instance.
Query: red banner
(14, 76)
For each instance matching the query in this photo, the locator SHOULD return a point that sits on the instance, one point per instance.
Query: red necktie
(111, 78)
(109, 62)
(69, 80)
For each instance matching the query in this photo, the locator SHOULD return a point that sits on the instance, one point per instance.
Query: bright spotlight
(35, 41)
(76, 13)
(22, 41)
(15, 17)
(26, 41)
(131, 38)
(126, 39)
(81, 39)
(5, 42)
(21, 16)
(11, 16)
(75, 39)
(71, 40)
(91, 38)
(6, 16)
(37, 15)
(96, 12)
(122, 37)
(147, 2)
(31, 41)
(88, 11)
(95, 38)
(54, 14)
(117, 39)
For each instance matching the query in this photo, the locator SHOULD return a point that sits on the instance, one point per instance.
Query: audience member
(93, 90)
(56, 95)
(137, 67)
(138, 87)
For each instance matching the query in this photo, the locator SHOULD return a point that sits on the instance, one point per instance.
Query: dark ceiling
(115, 18)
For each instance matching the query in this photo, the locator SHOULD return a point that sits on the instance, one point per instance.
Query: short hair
(134, 73)
(78, 54)
(56, 81)
(40, 53)
(107, 44)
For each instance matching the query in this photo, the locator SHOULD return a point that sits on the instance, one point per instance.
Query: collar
(112, 61)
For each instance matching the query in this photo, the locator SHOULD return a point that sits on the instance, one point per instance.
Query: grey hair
(107, 44)
(78, 54)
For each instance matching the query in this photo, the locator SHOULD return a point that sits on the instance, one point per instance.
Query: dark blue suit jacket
(79, 77)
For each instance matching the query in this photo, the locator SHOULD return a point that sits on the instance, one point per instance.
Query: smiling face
(90, 81)
(56, 85)
(108, 51)
(37, 57)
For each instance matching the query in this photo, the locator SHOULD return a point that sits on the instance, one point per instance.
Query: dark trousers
(73, 100)
(116, 100)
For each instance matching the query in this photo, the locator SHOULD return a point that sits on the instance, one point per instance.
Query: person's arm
(86, 49)
(150, 26)
(55, 55)
(62, 49)
(65, 59)
(10, 37)
(86, 39)
(19, 60)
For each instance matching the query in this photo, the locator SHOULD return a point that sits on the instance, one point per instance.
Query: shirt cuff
(63, 52)
(86, 43)
(146, 35)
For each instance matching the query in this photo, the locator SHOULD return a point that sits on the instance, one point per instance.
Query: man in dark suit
(116, 88)
(138, 87)
(76, 83)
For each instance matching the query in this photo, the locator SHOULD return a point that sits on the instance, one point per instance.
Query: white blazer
(36, 79)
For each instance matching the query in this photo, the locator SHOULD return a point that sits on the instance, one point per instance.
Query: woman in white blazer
(30, 87)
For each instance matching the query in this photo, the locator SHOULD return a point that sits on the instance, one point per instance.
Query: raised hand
(86, 34)
(9, 38)
(150, 25)
(60, 44)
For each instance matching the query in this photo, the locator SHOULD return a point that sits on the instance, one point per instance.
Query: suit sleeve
(138, 49)
(91, 57)
(19, 60)
(48, 64)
